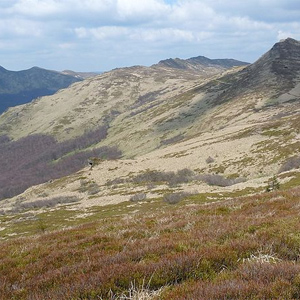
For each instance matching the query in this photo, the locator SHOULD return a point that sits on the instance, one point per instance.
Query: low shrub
(173, 198)
(209, 160)
(48, 202)
(115, 181)
(218, 180)
(174, 178)
(154, 176)
(93, 189)
(290, 164)
(90, 187)
(138, 197)
(172, 140)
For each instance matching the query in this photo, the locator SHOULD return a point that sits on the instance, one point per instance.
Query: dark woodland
(39, 158)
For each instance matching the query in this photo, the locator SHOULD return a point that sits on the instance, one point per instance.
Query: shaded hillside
(274, 74)
(19, 87)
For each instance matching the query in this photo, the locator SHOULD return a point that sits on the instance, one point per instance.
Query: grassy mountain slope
(23, 86)
(119, 99)
(245, 120)
(185, 213)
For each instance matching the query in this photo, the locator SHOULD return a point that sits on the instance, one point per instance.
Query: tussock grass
(235, 248)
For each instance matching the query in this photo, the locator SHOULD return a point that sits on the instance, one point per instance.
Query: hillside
(242, 123)
(165, 182)
(117, 99)
(19, 87)
(202, 248)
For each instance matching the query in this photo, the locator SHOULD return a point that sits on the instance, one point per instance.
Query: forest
(39, 158)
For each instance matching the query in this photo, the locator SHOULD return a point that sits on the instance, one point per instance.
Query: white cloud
(165, 34)
(100, 33)
(132, 9)
(14, 28)
(188, 10)
(283, 34)
(37, 8)
(108, 32)
(81, 32)
(149, 30)
(66, 46)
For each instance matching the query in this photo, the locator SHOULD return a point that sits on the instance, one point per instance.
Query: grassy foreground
(236, 248)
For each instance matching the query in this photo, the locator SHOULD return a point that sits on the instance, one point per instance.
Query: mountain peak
(283, 56)
(289, 41)
(286, 49)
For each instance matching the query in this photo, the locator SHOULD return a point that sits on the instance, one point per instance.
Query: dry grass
(243, 248)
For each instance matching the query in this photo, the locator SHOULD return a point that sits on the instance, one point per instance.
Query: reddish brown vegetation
(195, 251)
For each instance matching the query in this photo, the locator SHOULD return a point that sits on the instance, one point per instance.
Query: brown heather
(239, 248)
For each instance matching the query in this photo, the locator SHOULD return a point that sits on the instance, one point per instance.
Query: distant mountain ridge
(201, 62)
(19, 87)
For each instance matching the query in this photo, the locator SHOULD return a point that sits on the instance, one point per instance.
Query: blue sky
(99, 35)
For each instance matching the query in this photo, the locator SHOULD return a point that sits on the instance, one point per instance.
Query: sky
(100, 35)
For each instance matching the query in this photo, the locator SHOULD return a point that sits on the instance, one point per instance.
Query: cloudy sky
(99, 35)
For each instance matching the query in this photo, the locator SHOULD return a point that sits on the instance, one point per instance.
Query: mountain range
(175, 181)
(221, 117)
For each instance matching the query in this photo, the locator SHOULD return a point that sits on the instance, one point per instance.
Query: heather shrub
(235, 248)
